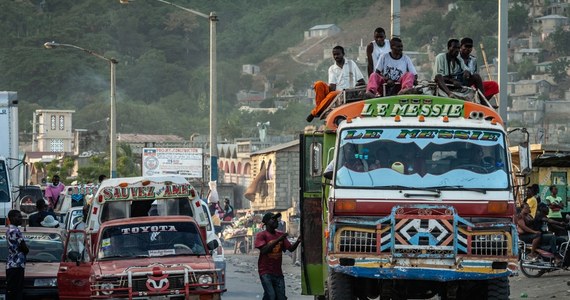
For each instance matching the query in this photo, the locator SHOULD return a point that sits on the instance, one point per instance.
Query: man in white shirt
(393, 67)
(376, 48)
(343, 74)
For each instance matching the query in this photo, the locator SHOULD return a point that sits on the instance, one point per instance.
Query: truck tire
(340, 287)
(498, 289)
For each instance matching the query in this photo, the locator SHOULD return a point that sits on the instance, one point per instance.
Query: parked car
(42, 262)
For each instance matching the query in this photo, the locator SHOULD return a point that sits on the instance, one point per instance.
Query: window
(61, 123)
(56, 145)
(422, 157)
(53, 123)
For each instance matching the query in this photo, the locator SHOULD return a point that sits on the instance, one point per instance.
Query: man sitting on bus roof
(343, 74)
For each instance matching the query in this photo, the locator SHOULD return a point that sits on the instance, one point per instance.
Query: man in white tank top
(376, 48)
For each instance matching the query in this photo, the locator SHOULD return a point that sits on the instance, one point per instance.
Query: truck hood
(117, 267)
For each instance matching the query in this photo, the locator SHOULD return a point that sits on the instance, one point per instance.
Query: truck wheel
(340, 287)
(498, 289)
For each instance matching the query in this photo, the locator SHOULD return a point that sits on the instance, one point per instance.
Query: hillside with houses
(539, 99)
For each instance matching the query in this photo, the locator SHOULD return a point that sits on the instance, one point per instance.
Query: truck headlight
(45, 282)
(107, 288)
(205, 280)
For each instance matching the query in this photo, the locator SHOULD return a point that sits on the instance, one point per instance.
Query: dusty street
(243, 282)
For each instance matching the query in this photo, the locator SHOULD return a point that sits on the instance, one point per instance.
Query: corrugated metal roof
(277, 147)
(323, 26)
(551, 17)
(141, 138)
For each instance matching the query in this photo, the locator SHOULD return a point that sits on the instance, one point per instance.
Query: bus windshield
(427, 157)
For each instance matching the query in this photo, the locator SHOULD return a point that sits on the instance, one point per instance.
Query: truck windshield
(150, 240)
(426, 157)
(112, 210)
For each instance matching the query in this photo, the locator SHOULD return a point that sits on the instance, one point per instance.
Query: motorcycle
(546, 262)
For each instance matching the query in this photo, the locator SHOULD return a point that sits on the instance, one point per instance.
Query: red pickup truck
(161, 257)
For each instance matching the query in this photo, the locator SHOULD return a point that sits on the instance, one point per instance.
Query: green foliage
(518, 18)
(561, 41)
(558, 69)
(62, 168)
(96, 166)
(525, 69)
(163, 53)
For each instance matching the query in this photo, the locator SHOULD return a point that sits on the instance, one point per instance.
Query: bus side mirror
(525, 158)
(315, 166)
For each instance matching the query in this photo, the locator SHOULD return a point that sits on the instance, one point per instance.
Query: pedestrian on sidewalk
(271, 244)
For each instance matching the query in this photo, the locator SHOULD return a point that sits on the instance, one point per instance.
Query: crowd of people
(391, 72)
(540, 223)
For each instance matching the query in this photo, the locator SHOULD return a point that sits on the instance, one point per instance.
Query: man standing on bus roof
(376, 48)
(271, 244)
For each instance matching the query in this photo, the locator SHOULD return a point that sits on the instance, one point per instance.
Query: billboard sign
(172, 161)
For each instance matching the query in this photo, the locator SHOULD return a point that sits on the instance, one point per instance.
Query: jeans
(273, 287)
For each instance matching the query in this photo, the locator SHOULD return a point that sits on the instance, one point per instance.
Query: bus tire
(498, 289)
(340, 287)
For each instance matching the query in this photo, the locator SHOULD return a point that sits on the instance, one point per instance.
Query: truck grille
(135, 283)
(424, 233)
(355, 240)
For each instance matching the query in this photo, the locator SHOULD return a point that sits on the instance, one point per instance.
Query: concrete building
(139, 141)
(275, 173)
(250, 69)
(321, 31)
(548, 24)
(54, 130)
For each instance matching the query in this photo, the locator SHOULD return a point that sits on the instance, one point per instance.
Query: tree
(561, 41)
(127, 165)
(518, 18)
(525, 68)
(558, 69)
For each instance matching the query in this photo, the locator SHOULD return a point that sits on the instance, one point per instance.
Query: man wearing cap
(271, 244)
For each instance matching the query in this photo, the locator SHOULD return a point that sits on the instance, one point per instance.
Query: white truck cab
(130, 197)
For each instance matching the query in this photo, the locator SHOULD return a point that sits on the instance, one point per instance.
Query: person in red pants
(392, 67)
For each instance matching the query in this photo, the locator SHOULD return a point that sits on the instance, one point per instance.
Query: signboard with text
(172, 161)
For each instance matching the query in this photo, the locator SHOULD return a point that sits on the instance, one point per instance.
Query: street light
(213, 89)
(113, 130)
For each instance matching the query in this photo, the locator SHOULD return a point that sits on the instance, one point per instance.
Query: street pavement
(555, 285)
(242, 279)
(243, 282)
